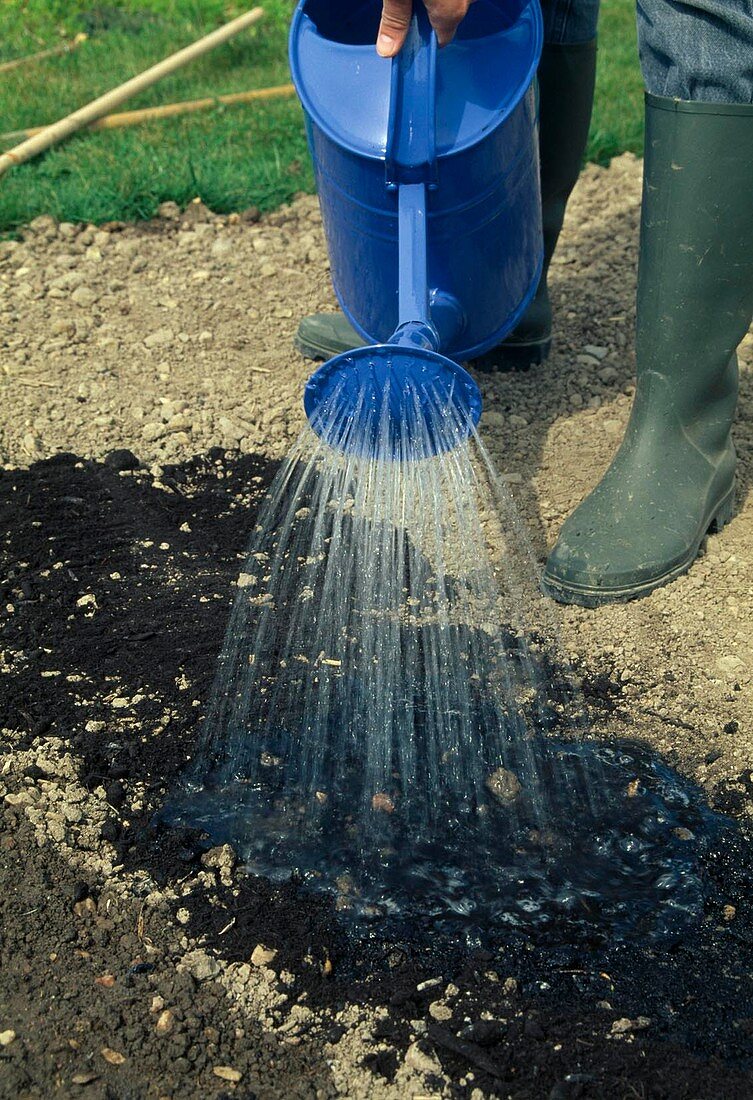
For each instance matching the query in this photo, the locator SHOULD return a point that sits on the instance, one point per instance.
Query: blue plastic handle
(411, 129)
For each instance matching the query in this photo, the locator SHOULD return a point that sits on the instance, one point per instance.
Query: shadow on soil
(120, 591)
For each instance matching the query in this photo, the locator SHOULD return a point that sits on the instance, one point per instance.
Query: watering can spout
(402, 398)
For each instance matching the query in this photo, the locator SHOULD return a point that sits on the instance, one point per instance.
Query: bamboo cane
(53, 51)
(168, 110)
(99, 107)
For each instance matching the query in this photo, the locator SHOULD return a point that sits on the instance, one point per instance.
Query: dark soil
(531, 1018)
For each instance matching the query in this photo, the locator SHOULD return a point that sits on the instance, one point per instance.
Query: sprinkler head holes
(392, 402)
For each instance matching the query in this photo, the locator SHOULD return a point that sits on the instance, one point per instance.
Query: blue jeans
(689, 49)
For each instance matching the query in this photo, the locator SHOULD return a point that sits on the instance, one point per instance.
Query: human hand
(444, 15)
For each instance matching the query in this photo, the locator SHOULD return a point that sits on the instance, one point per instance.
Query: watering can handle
(411, 129)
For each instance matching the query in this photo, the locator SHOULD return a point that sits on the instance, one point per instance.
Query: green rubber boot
(566, 77)
(323, 335)
(672, 479)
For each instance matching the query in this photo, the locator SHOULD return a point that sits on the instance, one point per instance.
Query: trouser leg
(566, 79)
(697, 50)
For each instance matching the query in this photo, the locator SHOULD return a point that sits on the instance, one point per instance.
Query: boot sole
(514, 357)
(506, 357)
(591, 596)
(317, 352)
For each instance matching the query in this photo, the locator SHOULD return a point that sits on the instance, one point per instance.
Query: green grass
(231, 157)
(617, 123)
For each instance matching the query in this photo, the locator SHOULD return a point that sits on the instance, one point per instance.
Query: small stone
(63, 328)
(197, 212)
(222, 859)
(683, 834)
(230, 431)
(428, 983)
(504, 785)
(122, 459)
(596, 350)
(245, 580)
(510, 987)
(43, 226)
(382, 803)
(113, 1057)
(227, 1073)
(84, 1078)
(159, 338)
(222, 247)
(7, 1037)
(165, 1022)
(152, 432)
(89, 600)
(438, 1011)
(201, 965)
(608, 374)
(263, 956)
(729, 664)
(170, 211)
(420, 1061)
(83, 297)
(729, 912)
(624, 1026)
(517, 421)
(32, 444)
(183, 916)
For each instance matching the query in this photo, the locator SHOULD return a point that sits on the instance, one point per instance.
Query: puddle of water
(626, 864)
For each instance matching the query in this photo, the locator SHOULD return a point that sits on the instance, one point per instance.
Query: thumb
(396, 17)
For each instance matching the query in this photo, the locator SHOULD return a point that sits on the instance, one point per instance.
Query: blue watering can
(428, 180)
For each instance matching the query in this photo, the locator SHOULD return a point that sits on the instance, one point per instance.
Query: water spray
(427, 173)
(393, 718)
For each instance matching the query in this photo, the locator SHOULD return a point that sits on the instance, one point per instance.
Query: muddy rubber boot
(672, 479)
(323, 335)
(566, 78)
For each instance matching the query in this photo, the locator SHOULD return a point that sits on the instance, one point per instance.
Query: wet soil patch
(118, 588)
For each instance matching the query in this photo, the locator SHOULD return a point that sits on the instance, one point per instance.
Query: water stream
(394, 719)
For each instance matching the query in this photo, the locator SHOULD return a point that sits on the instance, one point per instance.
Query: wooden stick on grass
(104, 104)
(53, 51)
(166, 110)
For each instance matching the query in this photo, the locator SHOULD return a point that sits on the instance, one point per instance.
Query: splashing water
(387, 723)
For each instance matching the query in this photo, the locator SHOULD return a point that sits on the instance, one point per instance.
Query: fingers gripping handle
(411, 128)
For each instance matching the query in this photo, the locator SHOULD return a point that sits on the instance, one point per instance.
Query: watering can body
(483, 208)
